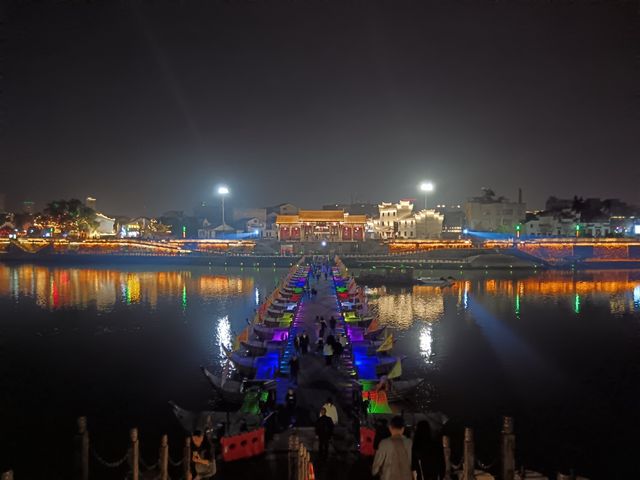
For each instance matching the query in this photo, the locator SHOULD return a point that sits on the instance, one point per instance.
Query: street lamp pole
(426, 187)
(223, 191)
(223, 224)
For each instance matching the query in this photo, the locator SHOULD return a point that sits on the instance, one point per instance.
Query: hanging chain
(146, 466)
(108, 464)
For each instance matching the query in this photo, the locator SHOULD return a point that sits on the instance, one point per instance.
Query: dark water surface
(558, 351)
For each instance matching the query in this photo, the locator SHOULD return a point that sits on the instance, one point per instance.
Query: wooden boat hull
(386, 364)
(401, 389)
(255, 349)
(207, 420)
(263, 332)
(244, 365)
(375, 334)
(230, 392)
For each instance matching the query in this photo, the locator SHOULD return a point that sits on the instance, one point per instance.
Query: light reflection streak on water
(465, 295)
(257, 296)
(223, 334)
(426, 341)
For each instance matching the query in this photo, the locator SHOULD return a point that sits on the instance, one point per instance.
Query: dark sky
(148, 105)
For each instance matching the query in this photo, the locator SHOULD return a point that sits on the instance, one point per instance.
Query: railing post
(507, 449)
(186, 459)
(469, 461)
(446, 449)
(83, 448)
(293, 457)
(300, 462)
(164, 458)
(7, 475)
(134, 454)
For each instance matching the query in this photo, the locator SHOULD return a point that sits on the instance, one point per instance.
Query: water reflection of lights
(223, 334)
(257, 296)
(399, 311)
(426, 342)
(636, 296)
(53, 288)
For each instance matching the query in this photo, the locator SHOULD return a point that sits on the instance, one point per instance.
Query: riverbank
(219, 260)
(436, 261)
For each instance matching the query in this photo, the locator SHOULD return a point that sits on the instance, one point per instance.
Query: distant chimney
(519, 195)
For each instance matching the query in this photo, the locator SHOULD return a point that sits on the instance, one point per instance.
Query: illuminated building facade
(105, 226)
(318, 225)
(399, 220)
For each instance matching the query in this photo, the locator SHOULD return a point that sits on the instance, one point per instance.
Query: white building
(106, 226)
(595, 229)
(398, 220)
(565, 223)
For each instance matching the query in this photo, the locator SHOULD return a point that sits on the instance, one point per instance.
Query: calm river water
(559, 351)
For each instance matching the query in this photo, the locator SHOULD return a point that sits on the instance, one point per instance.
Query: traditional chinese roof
(355, 218)
(321, 216)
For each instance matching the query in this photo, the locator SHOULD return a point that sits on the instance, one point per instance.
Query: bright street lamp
(426, 187)
(223, 191)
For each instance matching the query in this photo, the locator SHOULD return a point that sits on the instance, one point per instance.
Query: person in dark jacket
(324, 431)
(202, 464)
(291, 401)
(304, 343)
(294, 367)
(332, 324)
(323, 327)
(427, 457)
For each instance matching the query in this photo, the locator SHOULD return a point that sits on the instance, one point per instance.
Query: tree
(488, 194)
(71, 217)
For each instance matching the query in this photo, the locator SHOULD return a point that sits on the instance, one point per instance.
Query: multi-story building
(319, 225)
(552, 224)
(454, 220)
(105, 226)
(595, 228)
(391, 217)
(489, 213)
(91, 203)
(398, 220)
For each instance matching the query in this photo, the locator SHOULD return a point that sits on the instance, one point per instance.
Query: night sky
(148, 105)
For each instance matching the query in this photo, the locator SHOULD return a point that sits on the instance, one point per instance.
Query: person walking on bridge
(324, 430)
(332, 411)
(332, 324)
(327, 351)
(304, 343)
(393, 457)
(294, 367)
(323, 327)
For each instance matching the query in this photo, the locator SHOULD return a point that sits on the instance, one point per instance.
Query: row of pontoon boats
(258, 359)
